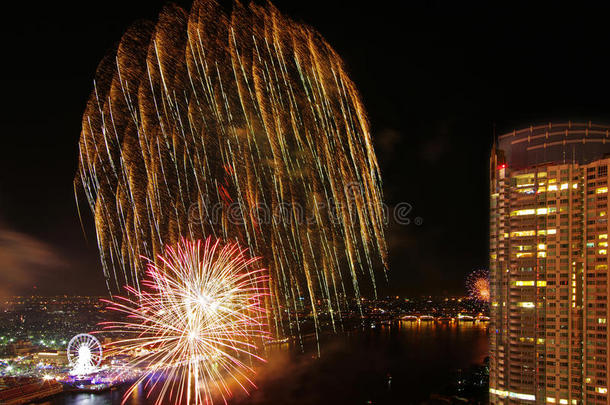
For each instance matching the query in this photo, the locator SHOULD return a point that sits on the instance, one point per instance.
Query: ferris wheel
(84, 353)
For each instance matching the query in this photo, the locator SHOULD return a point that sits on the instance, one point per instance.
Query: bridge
(433, 318)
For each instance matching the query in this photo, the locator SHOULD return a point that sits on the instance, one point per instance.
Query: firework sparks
(243, 126)
(477, 284)
(198, 324)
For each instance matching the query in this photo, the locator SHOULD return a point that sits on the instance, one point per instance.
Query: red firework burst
(198, 321)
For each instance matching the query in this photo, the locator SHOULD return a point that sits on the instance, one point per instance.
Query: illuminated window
(541, 246)
(552, 187)
(601, 321)
(525, 180)
(602, 244)
(526, 304)
(551, 231)
(518, 234)
(530, 211)
(564, 186)
(601, 190)
(541, 283)
(601, 390)
(541, 254)
(500, 393)
(602, 251)
(602, 236)
(521, 283)
(525, 397)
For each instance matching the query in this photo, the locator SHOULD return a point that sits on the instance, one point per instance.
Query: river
(399, 364)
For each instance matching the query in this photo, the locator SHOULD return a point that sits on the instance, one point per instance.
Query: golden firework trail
(478, 286)
(196, 326)
(244, 126)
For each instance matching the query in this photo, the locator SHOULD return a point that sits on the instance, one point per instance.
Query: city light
(205, 202)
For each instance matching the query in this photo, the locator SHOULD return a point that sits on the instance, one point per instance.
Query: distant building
(54, 357)
(549, 265)
(25, 390)
(21, 348)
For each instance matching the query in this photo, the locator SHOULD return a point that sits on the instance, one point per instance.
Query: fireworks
(477, 284)
(243, 126)
(197, 325)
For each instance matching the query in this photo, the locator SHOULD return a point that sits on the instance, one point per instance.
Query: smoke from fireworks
(477, 284)
(243, 126)
(197, 323)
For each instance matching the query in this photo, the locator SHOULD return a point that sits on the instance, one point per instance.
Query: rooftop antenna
(494, 145)
(573, 154)
(563, 150)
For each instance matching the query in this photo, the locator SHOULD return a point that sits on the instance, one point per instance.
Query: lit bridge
(458, 318)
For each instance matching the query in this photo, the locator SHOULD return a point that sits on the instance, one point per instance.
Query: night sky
(435, 77)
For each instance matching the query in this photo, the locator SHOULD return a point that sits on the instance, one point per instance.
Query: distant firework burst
(244, 126)
(198, 324)
(477, 284)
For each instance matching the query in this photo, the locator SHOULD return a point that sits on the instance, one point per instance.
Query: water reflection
(401, 363)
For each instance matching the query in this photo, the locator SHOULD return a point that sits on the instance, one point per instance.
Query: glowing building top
(565, 142)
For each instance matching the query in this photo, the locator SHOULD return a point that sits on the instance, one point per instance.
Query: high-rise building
(549, 265)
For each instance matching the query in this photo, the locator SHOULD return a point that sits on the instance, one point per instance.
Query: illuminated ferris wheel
(84, 353)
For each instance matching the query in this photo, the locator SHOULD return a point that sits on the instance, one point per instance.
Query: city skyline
(277, 202)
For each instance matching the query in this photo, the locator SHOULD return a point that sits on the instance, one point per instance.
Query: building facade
(549, 265)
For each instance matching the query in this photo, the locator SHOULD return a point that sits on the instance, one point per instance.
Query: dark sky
(434, 76)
